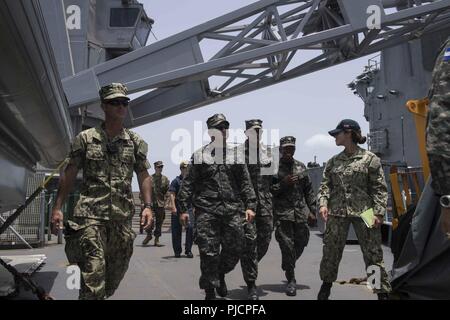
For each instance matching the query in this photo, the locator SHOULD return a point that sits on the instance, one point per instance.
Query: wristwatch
(445, 201)
(148, 205)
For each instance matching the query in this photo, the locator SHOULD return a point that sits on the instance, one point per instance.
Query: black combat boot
(383, 296)
(291, 288)
(252, 291)
(222, 289)
(324, 292)
(210, 294)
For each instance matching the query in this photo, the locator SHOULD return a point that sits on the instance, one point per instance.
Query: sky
(306, 107)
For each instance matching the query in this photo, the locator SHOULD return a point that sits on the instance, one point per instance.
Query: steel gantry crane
(259, 45)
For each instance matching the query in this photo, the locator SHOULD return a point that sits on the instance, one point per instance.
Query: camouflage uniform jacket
(105, 193)
(160, 187)
(218, 188)
(438, 129)
(292, 202)
(353, 184)
(261, 180)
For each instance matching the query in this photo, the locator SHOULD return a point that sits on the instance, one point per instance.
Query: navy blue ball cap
(346, 124)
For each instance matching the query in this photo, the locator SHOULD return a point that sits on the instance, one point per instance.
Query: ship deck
(155, 274)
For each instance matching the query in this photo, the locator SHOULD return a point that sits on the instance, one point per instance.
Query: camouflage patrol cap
(158, 164)
(346, 124)
(216, 120)
(184, 164)
(287, 141)
(253, 124)
(113, 91)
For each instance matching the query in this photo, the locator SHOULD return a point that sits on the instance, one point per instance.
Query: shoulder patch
(77, 143)
(142, 148)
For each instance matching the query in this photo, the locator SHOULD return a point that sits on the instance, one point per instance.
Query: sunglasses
(116, 103)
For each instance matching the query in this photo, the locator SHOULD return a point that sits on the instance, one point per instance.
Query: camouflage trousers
(249, 258)
(257, 239)
(264, 228)
(160, 215)
(292, 238)
(334, 242)
(102, 250)
(220, 241)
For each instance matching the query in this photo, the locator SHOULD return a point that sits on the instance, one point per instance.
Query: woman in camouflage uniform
(353, 182)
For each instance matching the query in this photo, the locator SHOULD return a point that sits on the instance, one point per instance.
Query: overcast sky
(305, 107)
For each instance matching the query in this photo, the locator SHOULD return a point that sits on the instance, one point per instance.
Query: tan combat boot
(147, 240)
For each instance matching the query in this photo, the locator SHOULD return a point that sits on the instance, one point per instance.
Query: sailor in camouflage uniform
(160, 188)
(353, 182)
(99, 237)
(220, 189)
(258, 233)
(293, 201)
(438, 133)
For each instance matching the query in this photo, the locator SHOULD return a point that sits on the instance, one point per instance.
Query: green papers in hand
(368, 217)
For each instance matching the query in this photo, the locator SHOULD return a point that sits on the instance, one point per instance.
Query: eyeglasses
(116, 103)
